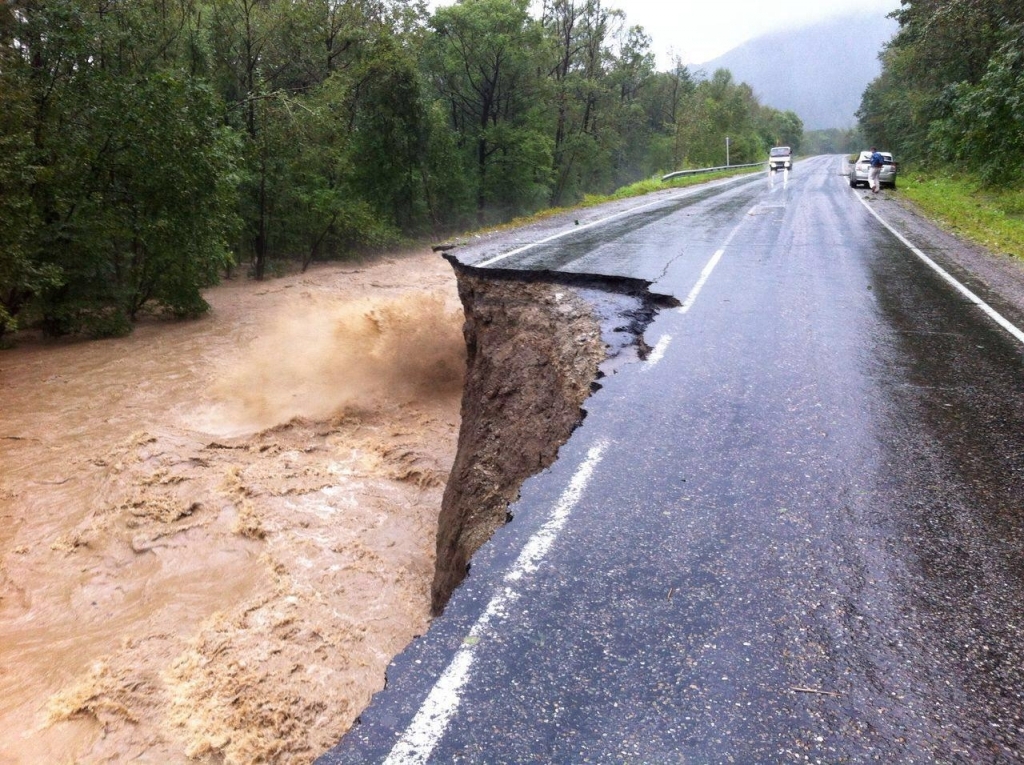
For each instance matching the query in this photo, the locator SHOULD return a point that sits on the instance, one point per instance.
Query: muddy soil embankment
(535, 345)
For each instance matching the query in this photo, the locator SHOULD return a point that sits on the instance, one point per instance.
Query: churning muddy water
(215, 534)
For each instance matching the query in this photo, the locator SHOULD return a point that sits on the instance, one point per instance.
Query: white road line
(658, 353)
(435, 714)
(422, 736)
(576, 229)
(704, 275)
(993, 314)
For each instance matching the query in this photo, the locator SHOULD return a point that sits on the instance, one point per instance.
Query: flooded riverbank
(215, 534)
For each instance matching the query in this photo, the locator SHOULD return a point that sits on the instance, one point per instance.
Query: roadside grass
(993, 218)
(649, 185)
(638, 189)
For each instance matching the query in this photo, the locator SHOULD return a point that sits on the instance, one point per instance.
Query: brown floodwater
(215, 534)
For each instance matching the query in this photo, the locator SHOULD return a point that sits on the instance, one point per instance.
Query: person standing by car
(876, 170)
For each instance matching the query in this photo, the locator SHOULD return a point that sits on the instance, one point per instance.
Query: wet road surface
(793, 534)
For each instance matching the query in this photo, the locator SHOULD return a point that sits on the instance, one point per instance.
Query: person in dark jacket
(875, 171)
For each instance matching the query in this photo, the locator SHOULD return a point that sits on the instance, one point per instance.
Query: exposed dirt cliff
(535, 342)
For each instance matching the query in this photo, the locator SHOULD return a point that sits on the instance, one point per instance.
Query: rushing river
(215, 534)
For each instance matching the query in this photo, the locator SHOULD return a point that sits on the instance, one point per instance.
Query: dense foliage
(148, 147)
(952, 87)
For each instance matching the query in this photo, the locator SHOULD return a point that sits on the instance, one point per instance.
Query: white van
(780, 158)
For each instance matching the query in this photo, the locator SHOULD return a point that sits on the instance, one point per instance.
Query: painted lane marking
(993, 314)
(422, 735)
(658, 353)
(435, 714)
(688, 193)
(704, 275)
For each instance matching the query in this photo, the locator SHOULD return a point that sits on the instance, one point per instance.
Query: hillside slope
(818, 71)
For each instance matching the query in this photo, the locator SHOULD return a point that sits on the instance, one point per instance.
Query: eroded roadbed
(535, 342)
(792, 532)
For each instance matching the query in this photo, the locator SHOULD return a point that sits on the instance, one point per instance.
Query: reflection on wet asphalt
(619, 246)
(803, 541)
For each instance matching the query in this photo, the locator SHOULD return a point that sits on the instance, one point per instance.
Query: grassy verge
(637, 189)
(656, 184)
(994, 218)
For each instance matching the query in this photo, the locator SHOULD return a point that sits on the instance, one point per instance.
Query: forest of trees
(150, 147)
(951, 92)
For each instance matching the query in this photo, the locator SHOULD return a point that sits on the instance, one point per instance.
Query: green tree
(117, 220)
(667, 98)
(354, 151)
(719, 108)
(389, 135)
(949, 41)
(631, 73)
(240, 38)
(482, 60)
(931, 79)
(778, 128)
(328, 100)
(982, 125)
(21, 276)
(893, 112)
(578, 34)
(832, 141)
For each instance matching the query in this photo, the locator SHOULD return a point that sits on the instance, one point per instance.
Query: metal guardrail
(680, 173)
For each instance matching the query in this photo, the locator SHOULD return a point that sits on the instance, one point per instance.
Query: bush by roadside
(993, 218)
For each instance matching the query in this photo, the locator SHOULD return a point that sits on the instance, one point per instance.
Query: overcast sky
(700, 30)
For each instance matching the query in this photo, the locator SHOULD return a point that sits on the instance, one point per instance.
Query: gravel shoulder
(997, 278)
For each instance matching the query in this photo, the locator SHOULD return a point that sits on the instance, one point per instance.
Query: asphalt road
(793, 534)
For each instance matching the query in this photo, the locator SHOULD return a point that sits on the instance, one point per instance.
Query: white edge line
(992, 312)
(435, 714)
(426, 729)
(539, 544)
(688, 192)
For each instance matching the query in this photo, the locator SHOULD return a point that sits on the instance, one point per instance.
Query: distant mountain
(817, 71)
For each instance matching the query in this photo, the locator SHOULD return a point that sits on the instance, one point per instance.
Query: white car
(859, 170)
(780, 158)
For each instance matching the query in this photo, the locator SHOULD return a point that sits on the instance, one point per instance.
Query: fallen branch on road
(815, 691)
